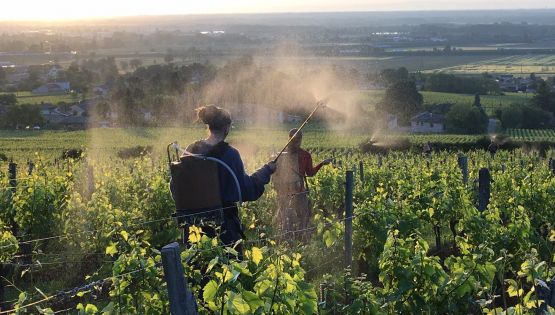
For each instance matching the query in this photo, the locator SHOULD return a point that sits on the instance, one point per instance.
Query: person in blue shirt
(218, 121)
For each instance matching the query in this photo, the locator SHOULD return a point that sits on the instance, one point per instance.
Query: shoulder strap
(218, 150)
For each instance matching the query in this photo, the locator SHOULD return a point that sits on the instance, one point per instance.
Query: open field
(490, 102)
(374, 64)
(521, 64)
(26, 97)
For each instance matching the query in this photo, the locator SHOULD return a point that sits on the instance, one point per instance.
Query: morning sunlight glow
(75, 10)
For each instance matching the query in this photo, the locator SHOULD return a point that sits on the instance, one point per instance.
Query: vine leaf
(256, 255)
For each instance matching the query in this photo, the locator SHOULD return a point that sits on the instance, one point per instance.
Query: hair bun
(207, 114)
(215, 117)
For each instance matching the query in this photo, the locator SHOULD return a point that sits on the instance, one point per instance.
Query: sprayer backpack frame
(196, 187)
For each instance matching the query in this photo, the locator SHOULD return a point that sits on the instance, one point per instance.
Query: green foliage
(402, 99)
(8, 243)
(420, 245)
(544, 98)
(466, 119)
(138, 285)
(524, 116)
(8, 99)
(442, 82)
(391, 76)
(21, 116)
(266, 281)
(39, 201)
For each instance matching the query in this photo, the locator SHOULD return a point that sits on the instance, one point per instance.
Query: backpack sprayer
(319, 104)
(184, 153)
(195, 187)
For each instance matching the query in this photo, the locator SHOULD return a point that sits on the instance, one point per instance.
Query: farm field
(490, 102)
(105, 142)
(26, 97)
(91, 230)
(251, 141)
(374, 64)
(522, 64)
(531, 134)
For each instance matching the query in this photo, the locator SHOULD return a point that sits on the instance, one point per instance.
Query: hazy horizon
(32, 10)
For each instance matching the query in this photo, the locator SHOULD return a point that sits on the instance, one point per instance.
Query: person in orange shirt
(290, 183)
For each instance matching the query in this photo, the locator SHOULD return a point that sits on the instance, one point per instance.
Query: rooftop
(428, 117)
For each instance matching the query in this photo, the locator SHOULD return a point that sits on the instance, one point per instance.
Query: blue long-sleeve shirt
(252, 186)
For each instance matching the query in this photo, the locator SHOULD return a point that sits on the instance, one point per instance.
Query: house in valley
(427, 122)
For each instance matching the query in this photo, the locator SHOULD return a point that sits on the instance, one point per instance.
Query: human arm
(309, 169)
(252, 186)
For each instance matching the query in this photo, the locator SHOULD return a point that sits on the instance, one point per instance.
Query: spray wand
(318, 105)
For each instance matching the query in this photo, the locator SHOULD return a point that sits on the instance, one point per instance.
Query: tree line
(403, 100)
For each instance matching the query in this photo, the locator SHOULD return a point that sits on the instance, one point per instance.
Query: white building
(427, 122)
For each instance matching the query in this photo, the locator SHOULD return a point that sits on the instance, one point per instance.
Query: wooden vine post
(182, 301)
(361, 170)
(462, 160)
(484, 188)
(349, 185)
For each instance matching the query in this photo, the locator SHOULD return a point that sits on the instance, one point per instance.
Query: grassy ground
(25, 97)
(490, 102)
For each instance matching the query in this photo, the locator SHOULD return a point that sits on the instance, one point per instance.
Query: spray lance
(319, 105)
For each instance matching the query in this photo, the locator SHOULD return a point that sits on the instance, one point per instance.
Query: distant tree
(391, 76)
(21, 115)
(463, 118)
(449, 83)
(33, 80)
(168, 58)
(401, 99)
(102, 110)
(124, 65)
(535, 118)
(544, 98)
(8, 99)
(511, 116)
(80, 79)
(533, 77)
(3, 77)
(524, 116)
(477, 101)
(129, 110)
(135, 63)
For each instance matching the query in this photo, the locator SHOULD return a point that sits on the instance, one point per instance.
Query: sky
(85, 9)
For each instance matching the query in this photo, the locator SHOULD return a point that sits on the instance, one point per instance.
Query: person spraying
(229, 176)
(294, 166)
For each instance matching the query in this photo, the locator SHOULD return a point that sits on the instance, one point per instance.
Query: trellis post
(182, 301)
(349, 185)
(484, 183)
(462, 160)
